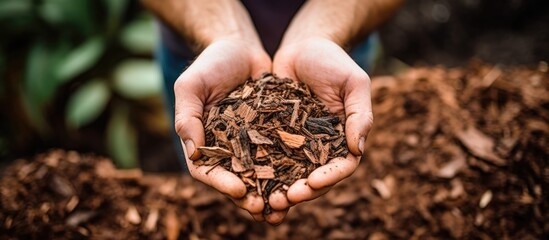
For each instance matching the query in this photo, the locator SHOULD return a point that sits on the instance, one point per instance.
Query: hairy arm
(343, 22)
(205, 21)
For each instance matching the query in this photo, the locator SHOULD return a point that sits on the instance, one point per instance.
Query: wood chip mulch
(454, 154)
(271, 132)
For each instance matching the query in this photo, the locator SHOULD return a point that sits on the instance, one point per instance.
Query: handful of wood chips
(271, 132)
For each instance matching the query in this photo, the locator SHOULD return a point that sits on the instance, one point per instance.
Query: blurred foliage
(87, 60)
(137, 79)
(121, 138)
(87, 103)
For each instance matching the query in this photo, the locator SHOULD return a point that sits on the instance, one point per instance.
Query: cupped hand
(344, 88)
(219, 69)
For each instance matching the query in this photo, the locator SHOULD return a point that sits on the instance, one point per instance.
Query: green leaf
(87, 103)
(122, 138)
(14, 8)
(115, 12)
(34, 114)
(137, 79)
(17, 20)
(52, 12)
(40, 80)
(139, 36)
(80, 59)
(76, 14)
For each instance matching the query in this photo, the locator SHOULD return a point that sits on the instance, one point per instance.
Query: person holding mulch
(321, 43)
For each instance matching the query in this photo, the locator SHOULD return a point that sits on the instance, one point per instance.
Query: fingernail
(191, 151)
(361, 145)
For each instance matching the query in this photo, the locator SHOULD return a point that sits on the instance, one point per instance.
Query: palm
(219, 69)
(325, 78)
(345, 89)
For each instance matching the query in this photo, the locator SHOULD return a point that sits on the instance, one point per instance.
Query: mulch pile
(461, 153)
(271, 132)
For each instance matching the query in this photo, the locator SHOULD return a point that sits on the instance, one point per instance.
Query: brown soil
(457, 154)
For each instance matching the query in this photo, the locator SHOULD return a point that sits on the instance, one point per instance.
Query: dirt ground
(454, 154)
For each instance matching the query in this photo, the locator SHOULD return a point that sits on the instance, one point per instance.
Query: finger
(282, 65)
(334, 171)
(300, 191)
(284, 71)
(189, 107)
(279, 201)
(253, 203)
(219, 178)
(258, 217)
(358, 111)
(256, 62)
(262, 64)
(276, 217)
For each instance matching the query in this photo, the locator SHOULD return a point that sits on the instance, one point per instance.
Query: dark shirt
(270, 17)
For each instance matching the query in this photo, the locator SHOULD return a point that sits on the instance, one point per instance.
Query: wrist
(304, 42)
(207, 22)
(201, 41)
(296, 37)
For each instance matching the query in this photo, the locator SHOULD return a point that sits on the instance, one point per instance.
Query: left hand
(344, 88)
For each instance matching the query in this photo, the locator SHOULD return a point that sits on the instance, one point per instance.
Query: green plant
(98, 52)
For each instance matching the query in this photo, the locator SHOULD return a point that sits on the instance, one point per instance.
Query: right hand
(344, 88)
(221, 67)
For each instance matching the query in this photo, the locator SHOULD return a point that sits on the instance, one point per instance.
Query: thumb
(283, 66)
(261, 64)
(189, 106)
(358, 111)
(188, 115)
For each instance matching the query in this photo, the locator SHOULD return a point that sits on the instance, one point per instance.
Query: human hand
(220, 68)
(345, 89)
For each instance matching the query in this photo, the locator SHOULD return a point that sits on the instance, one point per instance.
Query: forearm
(344, 22)
(204, 21)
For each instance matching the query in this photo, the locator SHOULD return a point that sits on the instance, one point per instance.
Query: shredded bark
(426, 175)
(278, 126)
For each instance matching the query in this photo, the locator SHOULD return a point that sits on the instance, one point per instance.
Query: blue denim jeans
(172, 65)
